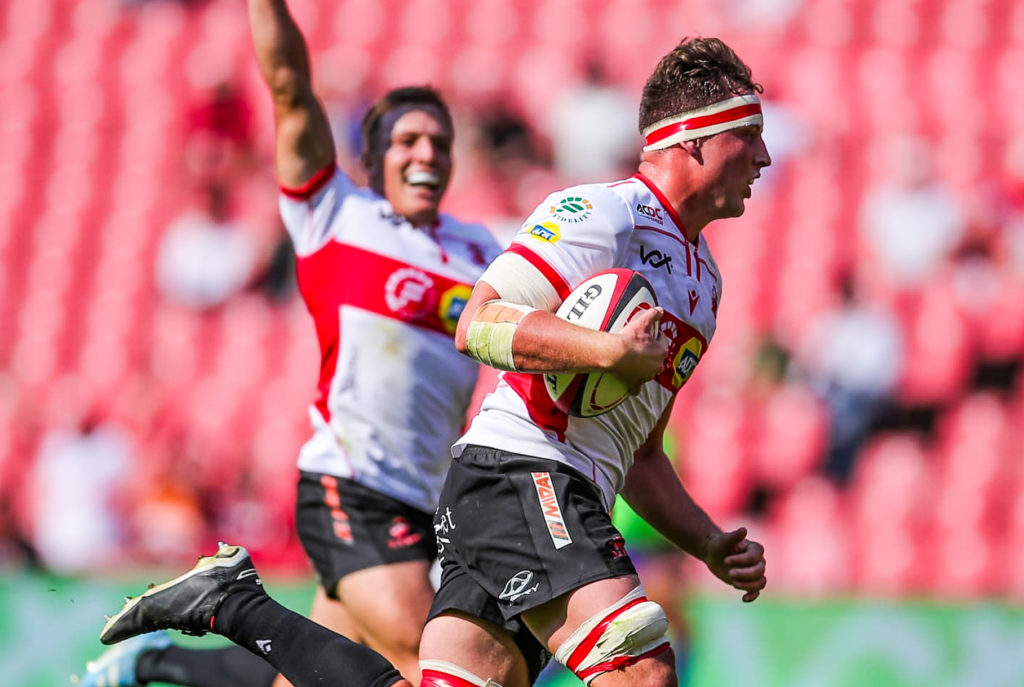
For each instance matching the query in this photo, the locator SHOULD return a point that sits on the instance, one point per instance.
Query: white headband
(742, 110)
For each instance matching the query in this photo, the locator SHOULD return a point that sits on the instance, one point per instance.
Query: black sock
(230, 666)
(306, 653)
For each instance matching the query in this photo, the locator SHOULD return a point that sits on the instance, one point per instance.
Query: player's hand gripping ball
(606, 301)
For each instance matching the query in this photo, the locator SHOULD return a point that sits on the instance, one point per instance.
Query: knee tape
(445, 674)
(630, 630)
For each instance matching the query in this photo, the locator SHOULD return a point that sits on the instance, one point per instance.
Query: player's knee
(621, 635)
(445, 674)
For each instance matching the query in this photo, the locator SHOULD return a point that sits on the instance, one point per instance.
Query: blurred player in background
(385, 276)
(520, 580)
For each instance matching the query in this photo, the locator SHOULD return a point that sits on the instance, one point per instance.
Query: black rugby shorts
(524, 530)
(345, 526)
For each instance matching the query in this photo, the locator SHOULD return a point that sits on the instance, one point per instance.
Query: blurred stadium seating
(97, 98)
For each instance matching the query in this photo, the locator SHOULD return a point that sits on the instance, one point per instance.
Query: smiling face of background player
(417, 165)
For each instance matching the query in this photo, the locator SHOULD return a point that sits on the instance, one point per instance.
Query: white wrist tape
(490, 333)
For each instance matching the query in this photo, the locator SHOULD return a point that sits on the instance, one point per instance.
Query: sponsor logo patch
(517, 586)
(452, 302)
(572, 209)
(552, 511)
(547, 232)
(407, 289)
(655, 258)
(649, 211)
(685, 361)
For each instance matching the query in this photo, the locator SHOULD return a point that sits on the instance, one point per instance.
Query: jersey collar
(665, 204)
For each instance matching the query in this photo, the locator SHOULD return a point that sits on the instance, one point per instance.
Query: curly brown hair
(698, 72)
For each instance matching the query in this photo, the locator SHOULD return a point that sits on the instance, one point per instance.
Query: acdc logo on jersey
(686, 346)
(655, 258)
(649, 211)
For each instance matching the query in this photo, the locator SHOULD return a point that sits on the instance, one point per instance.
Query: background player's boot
(188, 602)
(116, 666)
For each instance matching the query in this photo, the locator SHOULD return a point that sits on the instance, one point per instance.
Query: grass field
(49, 628)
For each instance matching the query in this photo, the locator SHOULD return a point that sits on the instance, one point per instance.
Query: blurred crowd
(863, 393)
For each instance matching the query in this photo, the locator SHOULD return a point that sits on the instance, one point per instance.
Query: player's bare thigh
(475, 645)
(388, 605)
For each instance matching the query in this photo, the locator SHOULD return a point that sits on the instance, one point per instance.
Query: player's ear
(694, 149)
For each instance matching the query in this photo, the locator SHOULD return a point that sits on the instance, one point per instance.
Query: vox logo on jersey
(655, 258)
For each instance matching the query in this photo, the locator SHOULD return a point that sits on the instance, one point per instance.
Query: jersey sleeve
(573, 234)
(308, 212)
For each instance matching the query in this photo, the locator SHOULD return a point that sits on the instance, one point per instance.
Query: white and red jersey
(385, 297)
(570, 236)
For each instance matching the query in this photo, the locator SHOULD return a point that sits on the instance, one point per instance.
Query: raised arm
(303, 144)
(655, 492)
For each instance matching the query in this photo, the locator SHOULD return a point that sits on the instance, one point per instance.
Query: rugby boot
(116, 666)
(188, 602)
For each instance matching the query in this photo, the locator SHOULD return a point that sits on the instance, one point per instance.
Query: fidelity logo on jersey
(452, 302)
(651, 212)
(407, 289)
(572, 209)
(546, 231)
(685, 361)
(552, 512)
(516, 586)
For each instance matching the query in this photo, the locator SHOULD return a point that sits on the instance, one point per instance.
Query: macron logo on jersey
(552, 512)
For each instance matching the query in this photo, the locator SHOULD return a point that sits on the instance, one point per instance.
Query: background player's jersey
(385, 297)
(570, 236)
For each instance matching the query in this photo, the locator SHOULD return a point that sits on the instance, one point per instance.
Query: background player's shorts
(515, 532)
(345, 527)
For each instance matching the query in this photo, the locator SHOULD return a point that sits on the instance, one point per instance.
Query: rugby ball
(606, 301)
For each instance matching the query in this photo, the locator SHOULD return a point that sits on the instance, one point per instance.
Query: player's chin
(423, 200)
(734, 208)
